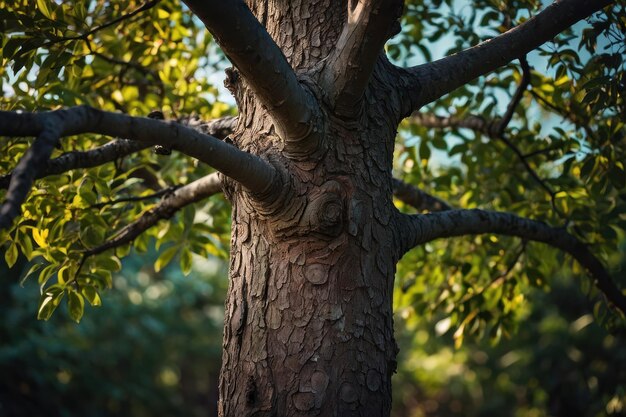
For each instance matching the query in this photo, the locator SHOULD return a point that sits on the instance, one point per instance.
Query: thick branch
(419, 229)
(220, 128)
(430, 81)
(252, 172)
(174, 201)
(266, 70)
(349, 67)
(416, 198)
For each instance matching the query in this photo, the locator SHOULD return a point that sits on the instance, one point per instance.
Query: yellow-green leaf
(165, 258)
(44, 8)
(41, 237)
(92, 296)
(48, 302)
(10, 256)
(76, 305)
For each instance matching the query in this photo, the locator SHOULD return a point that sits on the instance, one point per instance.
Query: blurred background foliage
(152, 349)
(486, 325)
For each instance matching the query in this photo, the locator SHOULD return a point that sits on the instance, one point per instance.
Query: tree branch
(119, 148)
(517, 97)
(419, 229)
(157, 194)
(252, 172)
(416, 198)
(349, 67)
(82, 159)
(495, 129)
(428, 82)
(266, 70)
(489, 129)
(174, 201)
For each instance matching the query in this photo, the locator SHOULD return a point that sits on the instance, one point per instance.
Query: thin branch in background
(495, 130)
(84, 36)
(500, 128)
(566, 114)
(547, 149)
(174, 201)
(135, 199)
(129, 64)
(517, 97)
(84, 159)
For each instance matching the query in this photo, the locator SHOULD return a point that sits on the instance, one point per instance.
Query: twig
(146, 6)
(188, 194)
(157, 194)
(517, 97)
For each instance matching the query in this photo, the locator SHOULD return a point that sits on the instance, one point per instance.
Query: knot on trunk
(325, 212)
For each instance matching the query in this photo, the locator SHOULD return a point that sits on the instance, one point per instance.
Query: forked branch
(120, 148)
(252, 172)
(348, 69)
(430, 81)
(100, 155)
(265, 69)
(420, 229)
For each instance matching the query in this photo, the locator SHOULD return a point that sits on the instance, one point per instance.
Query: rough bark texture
(309, 327)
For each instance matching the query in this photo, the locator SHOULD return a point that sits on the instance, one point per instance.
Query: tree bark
(309, 321)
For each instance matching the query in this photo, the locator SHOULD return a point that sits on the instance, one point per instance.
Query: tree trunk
(309, 324)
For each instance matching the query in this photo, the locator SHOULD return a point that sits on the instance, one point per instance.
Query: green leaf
(109, 263)
(46, 273)
(10, 256)
(165, 258)
(48, 302)
(31, 271)
(76, 305)
(92, 296)
(44, 8)
(92, 235)
(185, 261)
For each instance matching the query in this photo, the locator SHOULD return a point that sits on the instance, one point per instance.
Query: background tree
(307, 167)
